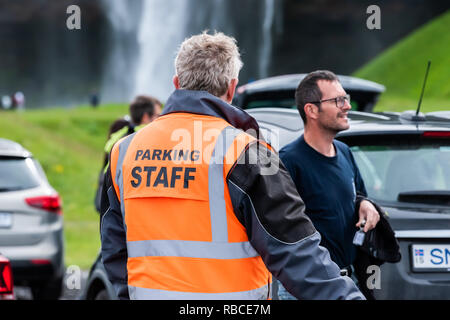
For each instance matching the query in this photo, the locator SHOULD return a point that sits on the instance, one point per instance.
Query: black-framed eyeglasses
(340, 101)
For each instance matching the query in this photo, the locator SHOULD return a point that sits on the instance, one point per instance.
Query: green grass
(401, 68)
(68, 144)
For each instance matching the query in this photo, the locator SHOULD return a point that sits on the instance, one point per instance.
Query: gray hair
(208, 62)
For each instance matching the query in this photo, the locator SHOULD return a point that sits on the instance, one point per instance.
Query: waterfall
(161, 30)
(147, 34)
(120, 65)
(266, 44)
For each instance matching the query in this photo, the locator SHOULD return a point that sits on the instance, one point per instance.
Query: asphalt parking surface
(24, 293)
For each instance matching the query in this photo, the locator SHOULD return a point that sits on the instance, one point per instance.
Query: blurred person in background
(6, 102)
(143, 110)
(18, 100)
(94, 99)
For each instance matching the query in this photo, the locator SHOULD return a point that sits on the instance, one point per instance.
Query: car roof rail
(390, 113)
(438, 115)
(13, 149)
(413, 116)
(369, 115)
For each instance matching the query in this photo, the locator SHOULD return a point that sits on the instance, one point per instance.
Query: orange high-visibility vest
(183, 238)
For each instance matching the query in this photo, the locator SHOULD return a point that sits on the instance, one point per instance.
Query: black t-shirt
(328, 186)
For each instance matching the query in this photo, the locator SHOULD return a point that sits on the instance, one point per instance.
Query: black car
(98, 287)
(405, 164)
(279, 92)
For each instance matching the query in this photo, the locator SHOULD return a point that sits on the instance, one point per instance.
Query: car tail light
(40, 262)
(49, 203)
(437, 134)
(6, 278)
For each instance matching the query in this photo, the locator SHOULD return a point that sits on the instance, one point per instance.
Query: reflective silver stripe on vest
(123, 147)
(192, 249)
(219, 230)
(218, 248)
(156, 294)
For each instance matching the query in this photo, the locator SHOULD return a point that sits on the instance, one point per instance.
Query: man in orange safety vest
(197, 206)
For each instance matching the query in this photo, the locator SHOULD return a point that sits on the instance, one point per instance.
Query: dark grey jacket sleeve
(113, 239)
(267, 203)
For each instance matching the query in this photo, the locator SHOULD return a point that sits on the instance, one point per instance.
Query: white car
(31, 222)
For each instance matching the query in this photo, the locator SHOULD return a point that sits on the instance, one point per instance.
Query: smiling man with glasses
(324, 170)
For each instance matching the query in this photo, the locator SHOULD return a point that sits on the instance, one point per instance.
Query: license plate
(431, 257)
(5, 220)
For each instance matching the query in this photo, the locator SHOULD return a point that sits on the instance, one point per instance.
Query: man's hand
(368, 212)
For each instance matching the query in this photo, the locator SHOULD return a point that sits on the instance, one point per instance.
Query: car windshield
(17, 174)
(272, 103)
(395, 169)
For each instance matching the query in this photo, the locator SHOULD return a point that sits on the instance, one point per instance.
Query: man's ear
(176, 82)
(145, 119)
(231, 90)
(311, 110)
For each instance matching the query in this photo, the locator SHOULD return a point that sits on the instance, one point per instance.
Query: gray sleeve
(268, 205)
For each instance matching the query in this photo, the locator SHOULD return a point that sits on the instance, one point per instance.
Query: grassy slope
(68, 144)
(402, 67)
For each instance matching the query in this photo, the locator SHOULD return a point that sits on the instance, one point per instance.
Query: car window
(17, 174)
(354, 104)
(40, 170)
(389, 170)
(272, 103)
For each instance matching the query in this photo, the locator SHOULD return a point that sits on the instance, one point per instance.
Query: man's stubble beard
(334, 127)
